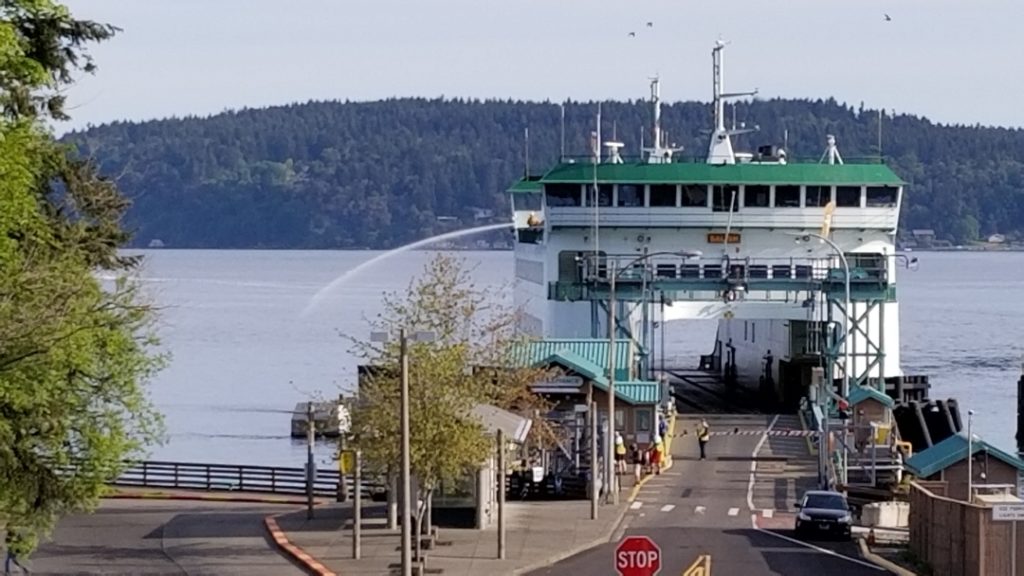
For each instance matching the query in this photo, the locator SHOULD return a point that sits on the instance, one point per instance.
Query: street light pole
(613, 275)
(612, 491)
(970, 458)
(847, 313)
(405, 487)
(310, 437)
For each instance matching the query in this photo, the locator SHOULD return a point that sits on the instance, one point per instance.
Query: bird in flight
(632, 34)
(888, 18)
(650, 24)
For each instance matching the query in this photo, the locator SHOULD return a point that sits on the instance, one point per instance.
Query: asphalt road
(163, 537)
(705, 508)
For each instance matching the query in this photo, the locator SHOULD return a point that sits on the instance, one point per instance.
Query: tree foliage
(379, 174)
(73, 351)
(469, 330)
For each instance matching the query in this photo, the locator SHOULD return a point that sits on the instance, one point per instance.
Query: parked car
(823, 513)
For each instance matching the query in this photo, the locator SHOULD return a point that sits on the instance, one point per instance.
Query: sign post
(1010, 513)
(637, 556)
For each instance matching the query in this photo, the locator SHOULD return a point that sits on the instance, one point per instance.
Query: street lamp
(613, 275)
(970, 456)
(405, 489)
(846, 330)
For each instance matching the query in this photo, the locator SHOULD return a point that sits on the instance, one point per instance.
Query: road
(150, 537)
(720, 508)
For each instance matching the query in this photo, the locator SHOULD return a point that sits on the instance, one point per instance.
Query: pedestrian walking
(620, 454)
(656, 454)
(703, 435)
(636, 458)
(12, 557)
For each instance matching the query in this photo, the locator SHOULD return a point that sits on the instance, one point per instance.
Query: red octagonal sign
(638, 556)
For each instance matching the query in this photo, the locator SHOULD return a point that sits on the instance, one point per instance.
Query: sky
(954, 61)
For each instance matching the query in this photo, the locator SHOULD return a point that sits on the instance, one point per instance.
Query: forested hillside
(379, 174)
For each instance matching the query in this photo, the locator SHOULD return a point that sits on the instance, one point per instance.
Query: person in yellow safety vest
(703, 435)
(620, 454)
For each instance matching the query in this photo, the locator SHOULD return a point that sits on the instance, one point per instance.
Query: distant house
(996, 239)
(923, 238)
(482, 213)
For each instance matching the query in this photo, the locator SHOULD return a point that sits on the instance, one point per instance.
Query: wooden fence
(956, 538)
(241, 478)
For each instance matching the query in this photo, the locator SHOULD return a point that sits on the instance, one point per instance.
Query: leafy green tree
(74, 352)
(469, 331)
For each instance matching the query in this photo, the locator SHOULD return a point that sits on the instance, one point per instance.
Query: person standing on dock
(703, 435)
(620, 453)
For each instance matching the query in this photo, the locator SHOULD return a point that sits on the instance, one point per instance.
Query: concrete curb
(668, 465)
(205, 498)
(881, 562)
(607, 535)
(554, 558)
(308, 562)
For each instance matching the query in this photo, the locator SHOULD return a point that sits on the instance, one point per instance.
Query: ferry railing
(671, 267)
(692, 159)
(236, 478)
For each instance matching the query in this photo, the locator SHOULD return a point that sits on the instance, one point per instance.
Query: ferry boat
(795, 260)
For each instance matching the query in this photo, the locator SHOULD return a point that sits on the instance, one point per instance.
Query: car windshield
(826, 501)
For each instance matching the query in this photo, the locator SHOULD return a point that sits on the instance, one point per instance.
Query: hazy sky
(955, 61)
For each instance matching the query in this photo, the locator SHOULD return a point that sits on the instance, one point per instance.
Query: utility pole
(609, 441)
(501, 494)
(357, 508)
(343, 476)
(310, 472)
(405, 489)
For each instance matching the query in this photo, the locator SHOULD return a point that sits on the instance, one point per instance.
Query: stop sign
(638, 556)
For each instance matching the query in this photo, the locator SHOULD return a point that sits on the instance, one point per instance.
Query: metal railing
(236, 477)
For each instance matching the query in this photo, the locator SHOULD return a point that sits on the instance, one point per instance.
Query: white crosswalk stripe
(667, 507)
(700, 509)
(636, 505)
(767, 513)
(734, 511)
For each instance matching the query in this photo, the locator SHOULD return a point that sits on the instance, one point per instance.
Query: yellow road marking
(700, 567)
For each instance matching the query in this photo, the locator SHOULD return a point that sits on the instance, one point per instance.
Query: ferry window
(881, 196)
(787, 196)
(563, 194)
(848, 196)
(818, 195)
(758, 271)
(663, 195)
(604, 195)
(755, 196)
(690, 271)
(722, 198)
(528, 200)
(631, 195)
(781, 271)
(695, 195)
(666, 270)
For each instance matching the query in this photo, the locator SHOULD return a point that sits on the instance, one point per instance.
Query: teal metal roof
(862, 393)
(700, 173)
(595, 350)
(579, 365)
(639, 392)
(952, 450)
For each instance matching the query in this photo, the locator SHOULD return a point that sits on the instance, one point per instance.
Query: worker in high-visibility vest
(703, 435)
(620, 454)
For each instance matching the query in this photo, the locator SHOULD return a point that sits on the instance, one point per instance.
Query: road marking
(636, 505)
(700, 567)
(825, 551)
(734, 511)
(753, 465)
(667, 507)
(700, 509)
(767, 513)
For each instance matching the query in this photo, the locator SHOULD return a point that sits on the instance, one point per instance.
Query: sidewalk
(537, 534)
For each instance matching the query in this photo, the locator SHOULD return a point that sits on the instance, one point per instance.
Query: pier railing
(235, 477)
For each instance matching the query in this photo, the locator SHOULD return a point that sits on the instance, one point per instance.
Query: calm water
(243, 354)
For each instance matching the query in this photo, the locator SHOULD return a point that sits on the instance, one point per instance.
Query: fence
(960, 539)
(232, 477)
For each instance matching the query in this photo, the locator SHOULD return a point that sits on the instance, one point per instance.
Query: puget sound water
(244, 352)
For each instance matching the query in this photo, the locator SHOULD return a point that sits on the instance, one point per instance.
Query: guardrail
(235, 477)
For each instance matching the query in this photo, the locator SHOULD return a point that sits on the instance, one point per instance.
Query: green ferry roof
(701, 173)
